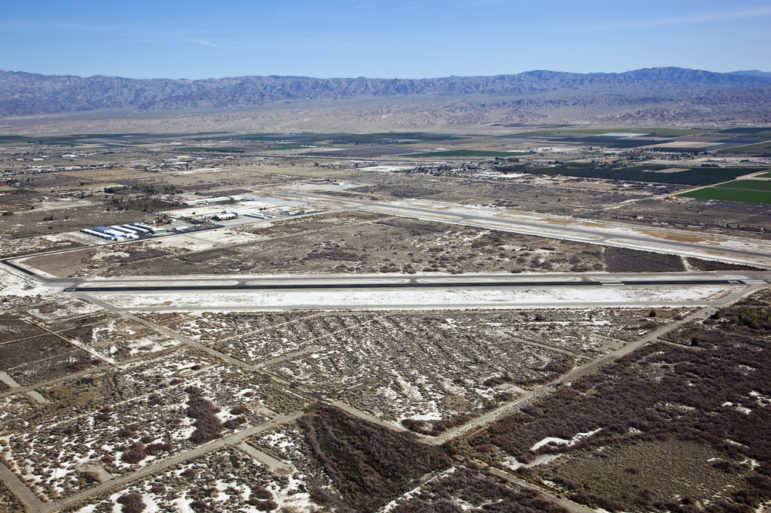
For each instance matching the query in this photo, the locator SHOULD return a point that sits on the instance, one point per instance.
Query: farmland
(752, 185)
(465, 153)
(763, 148)
(730, 194)
(699, 176)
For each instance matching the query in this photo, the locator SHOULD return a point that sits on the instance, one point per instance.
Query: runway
(655, 238)
(412, 284)
(401, 292)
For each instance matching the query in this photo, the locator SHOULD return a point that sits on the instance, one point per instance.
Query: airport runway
(421, 292)
(699, 245)
(342, 284)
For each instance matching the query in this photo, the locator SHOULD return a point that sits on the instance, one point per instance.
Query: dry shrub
(207, 425)
(132, 502)
(368, 464)
(134, 454)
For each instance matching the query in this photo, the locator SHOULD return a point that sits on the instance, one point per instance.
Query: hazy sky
(379, 38)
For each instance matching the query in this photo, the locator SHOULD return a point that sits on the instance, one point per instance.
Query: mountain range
(663, 94)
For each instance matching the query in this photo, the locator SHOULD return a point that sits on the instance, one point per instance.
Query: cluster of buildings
(124, 231)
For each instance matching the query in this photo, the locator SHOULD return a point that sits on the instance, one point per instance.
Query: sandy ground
(685, 144)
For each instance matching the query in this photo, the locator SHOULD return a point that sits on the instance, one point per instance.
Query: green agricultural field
(605, 140)
(694, 176)
(753, 185)
(742, 196)
(756, 132)
(466, 153)
(765, 175)
(761, 148)
(661, 132)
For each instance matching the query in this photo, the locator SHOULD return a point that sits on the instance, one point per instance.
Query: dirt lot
(46, 222)
(42, 358)
(713, 216)
(13, 328)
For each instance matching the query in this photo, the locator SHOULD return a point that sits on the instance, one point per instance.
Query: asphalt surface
(128, 287)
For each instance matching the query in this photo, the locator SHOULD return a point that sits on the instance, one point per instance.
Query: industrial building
(131, 231)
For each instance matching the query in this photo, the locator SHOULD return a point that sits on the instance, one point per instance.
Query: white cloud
(704, 18)
(205, 42)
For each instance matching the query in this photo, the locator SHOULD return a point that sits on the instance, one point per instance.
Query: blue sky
(387, 38)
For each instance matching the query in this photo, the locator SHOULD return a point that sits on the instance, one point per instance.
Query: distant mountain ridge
(753, 73)
(23, 94)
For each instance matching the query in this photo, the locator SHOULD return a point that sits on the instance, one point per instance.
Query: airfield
(423, 312)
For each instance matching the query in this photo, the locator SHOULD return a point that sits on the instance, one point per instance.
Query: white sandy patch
(325, 187)
(619, 134)
(542, 459)
(197, 171)
(386, 169)
(223, 236)
(686, 144)
(561, 441)
(13, 284)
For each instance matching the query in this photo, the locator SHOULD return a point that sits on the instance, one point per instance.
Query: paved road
(391, 279)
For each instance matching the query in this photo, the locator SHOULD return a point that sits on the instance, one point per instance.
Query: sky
(384, 39)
